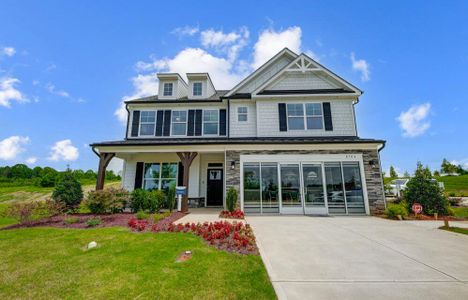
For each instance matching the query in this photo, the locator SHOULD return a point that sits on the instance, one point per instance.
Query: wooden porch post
(186, 158)
(104, 160)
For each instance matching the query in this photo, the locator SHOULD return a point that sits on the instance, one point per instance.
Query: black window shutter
(139, 175)
(283, 122)
(327, 118)
(180, 175)
(191, 123)
(198, 122)
(135, 122)
(222, 122)
(167, 123)
(159, 123)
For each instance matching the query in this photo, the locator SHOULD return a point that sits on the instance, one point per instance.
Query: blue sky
(65, 67)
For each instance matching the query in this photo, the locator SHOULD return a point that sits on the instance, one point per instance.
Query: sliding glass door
(314, 195)
(334, 184)
(269, 186)
(261, 188)
(291, 188)
(252, 188)
(353, 188)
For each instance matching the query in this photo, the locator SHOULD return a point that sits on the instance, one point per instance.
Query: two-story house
(285, 137)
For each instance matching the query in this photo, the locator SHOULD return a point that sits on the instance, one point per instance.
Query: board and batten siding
(243, 129)
(342, 118)
(300, 81)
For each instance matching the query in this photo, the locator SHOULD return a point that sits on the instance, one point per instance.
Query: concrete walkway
(361, 258)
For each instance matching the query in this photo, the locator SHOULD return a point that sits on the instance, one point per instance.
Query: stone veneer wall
(374, 183)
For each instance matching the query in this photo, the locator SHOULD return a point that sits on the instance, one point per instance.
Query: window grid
(147, 122)
(164, 175)
(304, 116)
(242, 114)
(210, 122)
(197, 88)
(179, 122)
(168, 89)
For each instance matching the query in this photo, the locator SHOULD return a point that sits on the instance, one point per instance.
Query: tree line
(21, 174)
(445, 168)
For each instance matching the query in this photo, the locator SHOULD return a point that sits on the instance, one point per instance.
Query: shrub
(71, 220)
(231, 199)
(139, 225)
(236, 214)
(93, 222)
(110, 200)
(160, 216)
(420, 189)
(151, 201)
(141, 215)
(68, 191)
(26, 212)
(171, 197)
(393, 210)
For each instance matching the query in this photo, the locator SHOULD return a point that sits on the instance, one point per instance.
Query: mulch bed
(424, 218)
(107, 220)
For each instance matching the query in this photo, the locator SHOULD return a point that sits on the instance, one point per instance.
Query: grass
(455, 184)
(455, 229)
(460, 212)
(51, 263)
(5, 221)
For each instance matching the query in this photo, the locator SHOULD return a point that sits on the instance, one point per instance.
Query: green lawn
(4, 221)
(50, 263)
(455, 229)
(460, 212)
(455, 184)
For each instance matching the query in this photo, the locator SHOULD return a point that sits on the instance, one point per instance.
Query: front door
(214, 187)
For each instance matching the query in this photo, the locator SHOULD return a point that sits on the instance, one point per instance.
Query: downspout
(228, 119)
(381, 175)
(128, 120)
(354, 116)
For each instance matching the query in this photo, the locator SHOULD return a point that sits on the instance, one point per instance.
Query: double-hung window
(210, 122)
(167, 89)
(160, 176)
(147, 122)
(242, 113)
(197, 89)
(303, 116)
(179, 122)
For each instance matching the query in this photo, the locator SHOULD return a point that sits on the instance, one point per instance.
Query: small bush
(393, 210)
(26, 212)
(231, 199)
(150, 201)
(107, 201)
(71, 220)
(68, 191)
(141, 215)
(93, 222)
(451, 194)
(160, 216)
(171, 197)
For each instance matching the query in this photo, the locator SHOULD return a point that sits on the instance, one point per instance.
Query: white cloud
(462, 162)
(31, 160)
(186, 31)
(12, 146)
(9, 93)
(413, 121)
(230, 43)
(361, 66)
(53, 90)
(8, 51)
(270, 42)
(64, 150)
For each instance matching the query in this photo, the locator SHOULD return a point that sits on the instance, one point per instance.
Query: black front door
(214, 187)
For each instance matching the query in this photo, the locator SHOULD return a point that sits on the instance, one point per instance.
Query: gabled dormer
(171, 86)
(200, 86)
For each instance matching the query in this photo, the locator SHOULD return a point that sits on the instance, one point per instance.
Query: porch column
(186, 158)
(104, 160)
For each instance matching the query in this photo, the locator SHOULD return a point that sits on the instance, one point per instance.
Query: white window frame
(186, 122)
(203, 123)
(164, 88)
(246, 114)
(146, 123)
(160, 179)
(304, 116)
(201, 89)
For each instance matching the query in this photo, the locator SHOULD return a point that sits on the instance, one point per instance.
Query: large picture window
(179, 122)
(303, 116)
(147, 122)
(159, 176)
(210, 122)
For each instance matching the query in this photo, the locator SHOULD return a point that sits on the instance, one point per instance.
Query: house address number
(350, 156)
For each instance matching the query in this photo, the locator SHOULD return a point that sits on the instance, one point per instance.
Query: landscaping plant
(231, 199)
(420, 189)
(171, 197)
(93, 222)
(393, 210)
(150, 201)
(68, 191)
(236, 214)
(26, 212)
(141, 215)
(111, 200)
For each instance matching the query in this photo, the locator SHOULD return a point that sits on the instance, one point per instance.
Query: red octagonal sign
(417, 208)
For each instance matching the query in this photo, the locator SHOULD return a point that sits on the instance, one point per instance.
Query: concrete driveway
(361, 258)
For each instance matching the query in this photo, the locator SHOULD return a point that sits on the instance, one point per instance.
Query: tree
(436, 173)
(406, 175)
(448, 167)
(37, 172)
(421, 189)
(393, 173)
(21, 171)
(68, 191)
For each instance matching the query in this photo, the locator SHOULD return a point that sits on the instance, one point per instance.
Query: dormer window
(197, 88)
(168, 89)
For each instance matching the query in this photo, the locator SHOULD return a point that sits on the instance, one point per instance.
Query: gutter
(94, 150)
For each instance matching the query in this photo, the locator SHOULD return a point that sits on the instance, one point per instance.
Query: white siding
(204, 89)
(128, 181)
(243, 129)
(301, 81)
(342, 118)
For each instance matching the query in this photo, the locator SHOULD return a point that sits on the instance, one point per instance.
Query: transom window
(210, 122)
(167, 89)
(160, 176)
(242, 114)
(305, 116)
(179, 122)
(147, 122)
(197, 88)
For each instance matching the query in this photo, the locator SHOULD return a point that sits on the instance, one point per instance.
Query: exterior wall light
(233, 165)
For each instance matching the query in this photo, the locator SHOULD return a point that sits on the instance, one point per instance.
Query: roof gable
(305, 76)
